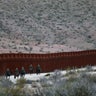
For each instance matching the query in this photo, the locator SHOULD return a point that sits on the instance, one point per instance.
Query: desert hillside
(47, 25)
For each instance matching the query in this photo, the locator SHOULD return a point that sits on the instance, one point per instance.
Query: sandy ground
(35, 77)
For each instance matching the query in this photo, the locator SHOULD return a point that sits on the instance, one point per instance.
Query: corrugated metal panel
(48, 62)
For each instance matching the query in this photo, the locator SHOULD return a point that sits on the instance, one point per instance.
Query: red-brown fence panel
(48, 62)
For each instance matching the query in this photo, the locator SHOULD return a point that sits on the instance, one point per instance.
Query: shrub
(73, 86)
(21, 82)
(16, 91)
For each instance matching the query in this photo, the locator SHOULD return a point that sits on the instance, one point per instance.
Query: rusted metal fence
(48, 62)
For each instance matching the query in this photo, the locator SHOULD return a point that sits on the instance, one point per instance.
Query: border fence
(48, 62)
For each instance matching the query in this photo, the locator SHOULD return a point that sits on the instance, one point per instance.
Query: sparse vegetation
(71, 23)
(79, 85)
(56, 84)
(21, 82)
(62, 22)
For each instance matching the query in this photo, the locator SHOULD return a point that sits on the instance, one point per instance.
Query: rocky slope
(28, 23)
